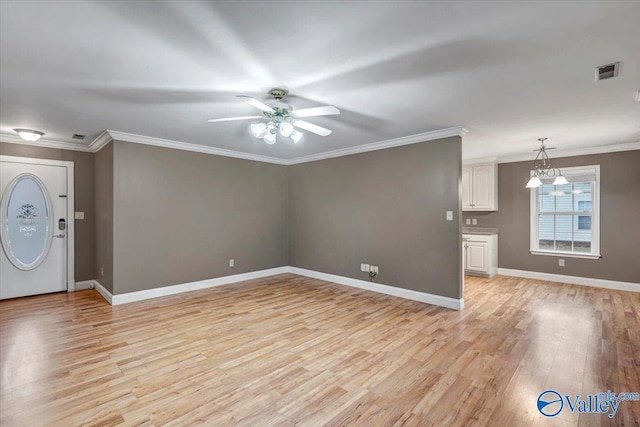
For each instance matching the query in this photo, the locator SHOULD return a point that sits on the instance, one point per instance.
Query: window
(584, 205)
(584, 222)
(564, 218)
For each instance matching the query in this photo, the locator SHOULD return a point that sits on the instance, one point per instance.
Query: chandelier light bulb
(258, 129)
(270, 138)
(286, 129)
(560, 180)
(534, 182)
(296, 136)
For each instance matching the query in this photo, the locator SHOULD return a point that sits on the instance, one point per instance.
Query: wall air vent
(608, 71)
(78, 136)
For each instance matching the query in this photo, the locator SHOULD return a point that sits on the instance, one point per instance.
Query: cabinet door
(477, 257)
(482, 187)
(466, 188)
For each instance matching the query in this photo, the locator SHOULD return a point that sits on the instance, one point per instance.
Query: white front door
(33, 229)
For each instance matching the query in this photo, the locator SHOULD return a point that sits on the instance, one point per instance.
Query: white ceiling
(509, 72)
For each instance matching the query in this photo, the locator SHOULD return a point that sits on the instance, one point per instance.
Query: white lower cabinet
(480, 254)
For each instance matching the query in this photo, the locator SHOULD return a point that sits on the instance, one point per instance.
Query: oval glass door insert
(26, 222)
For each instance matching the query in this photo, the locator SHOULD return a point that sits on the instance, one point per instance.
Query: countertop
(487, 231)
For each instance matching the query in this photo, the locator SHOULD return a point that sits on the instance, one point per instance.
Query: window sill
(565, 254)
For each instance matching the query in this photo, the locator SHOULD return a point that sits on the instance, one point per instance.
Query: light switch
(449, 215)
(474, 221)
(79, 215)
(232, 263)
(468, 221)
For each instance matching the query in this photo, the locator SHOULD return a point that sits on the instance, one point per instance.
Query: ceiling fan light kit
(283, 119)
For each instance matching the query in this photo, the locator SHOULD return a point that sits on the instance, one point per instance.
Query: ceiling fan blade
(318, 130)
(327, 110)
(230, 119)
(258, 104)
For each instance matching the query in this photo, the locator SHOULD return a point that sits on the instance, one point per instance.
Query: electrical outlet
(467, 221)
(449, 215)
(232, 262)
(362, 267)
(561, 262)
(366, 267)
(474, 221)
(375, 269)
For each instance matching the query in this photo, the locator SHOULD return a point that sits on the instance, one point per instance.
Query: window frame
(595, 217)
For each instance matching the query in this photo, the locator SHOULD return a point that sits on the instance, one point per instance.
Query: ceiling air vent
(78, 136)
(608, 71)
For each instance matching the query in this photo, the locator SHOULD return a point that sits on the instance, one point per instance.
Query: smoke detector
(608, 71)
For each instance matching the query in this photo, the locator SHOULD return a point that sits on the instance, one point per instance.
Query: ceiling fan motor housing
(278, 94)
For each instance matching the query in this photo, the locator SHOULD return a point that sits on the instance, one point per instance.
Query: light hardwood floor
(289, 350)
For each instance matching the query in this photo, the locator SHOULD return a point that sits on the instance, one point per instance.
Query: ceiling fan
(281, 117)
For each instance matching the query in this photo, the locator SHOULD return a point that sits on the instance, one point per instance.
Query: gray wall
(83, 190)
(385, 208)
(619, 213)
(180, 216)
(104, 216)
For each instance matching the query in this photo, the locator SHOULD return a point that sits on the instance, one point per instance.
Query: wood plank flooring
(289, 350)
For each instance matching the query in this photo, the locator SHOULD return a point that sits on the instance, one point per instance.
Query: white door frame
(70, 166)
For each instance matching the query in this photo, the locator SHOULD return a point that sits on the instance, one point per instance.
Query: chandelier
(542, 168)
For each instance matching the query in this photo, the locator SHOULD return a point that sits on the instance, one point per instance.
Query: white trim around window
(573, 174)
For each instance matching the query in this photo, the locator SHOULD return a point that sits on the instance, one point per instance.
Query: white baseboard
(185, 287)
(85, 284)
(104, 292)
(574, 280)
(456, 304)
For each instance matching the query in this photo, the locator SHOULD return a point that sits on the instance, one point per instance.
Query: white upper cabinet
(480, 187)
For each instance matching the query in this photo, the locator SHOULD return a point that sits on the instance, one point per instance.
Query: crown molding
(601, 149)
(468, 162)
(167, 143)
(46, 143)
(396, 142)
(100, 141)
(109, 135)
